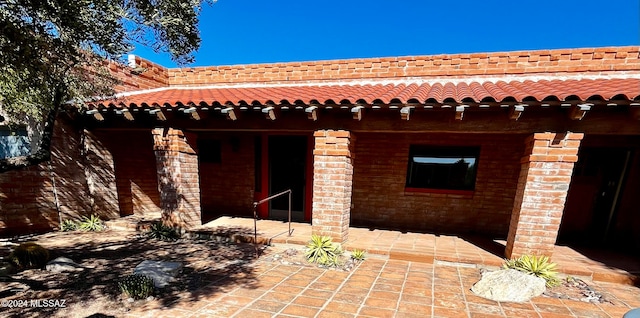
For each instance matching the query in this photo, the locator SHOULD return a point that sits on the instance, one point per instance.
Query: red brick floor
(375, 288)
(596, 265)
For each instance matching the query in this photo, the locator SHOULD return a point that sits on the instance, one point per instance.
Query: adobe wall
(79, 175)
(380, 199)
(594, 61)
(135, 174)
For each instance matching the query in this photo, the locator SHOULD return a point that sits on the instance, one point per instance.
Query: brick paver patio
(376, 288)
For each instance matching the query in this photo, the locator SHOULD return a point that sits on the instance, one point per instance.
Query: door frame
(263, 209)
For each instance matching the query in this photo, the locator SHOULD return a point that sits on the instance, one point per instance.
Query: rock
(509, 285)
(7, 269)
(161, 272)
(63, 264)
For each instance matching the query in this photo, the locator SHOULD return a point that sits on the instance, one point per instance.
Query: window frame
(443, 152)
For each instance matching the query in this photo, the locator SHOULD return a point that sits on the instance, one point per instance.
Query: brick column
(332, 183)
(545, 175)
(178, 178)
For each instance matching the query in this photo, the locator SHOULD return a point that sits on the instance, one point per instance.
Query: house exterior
(531, 146)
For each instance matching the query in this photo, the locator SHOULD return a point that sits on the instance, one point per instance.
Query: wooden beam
(460, 111)
(192, 112)
(312, 112)
(578, 111)
(269, 113)
(516, 111)
(357, 112)
(229, 113)
(635, 110)
(96, 114)
(126, 113)
(158, 113)
(405, 112)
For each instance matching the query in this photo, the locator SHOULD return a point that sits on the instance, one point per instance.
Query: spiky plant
(539, 266)
(163, 232)
(91, 224)
(358, 255)
(68, 225)
(136, 286)
(29, 255)
(321, 250)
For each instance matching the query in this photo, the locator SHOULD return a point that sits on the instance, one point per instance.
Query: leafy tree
(55, 51)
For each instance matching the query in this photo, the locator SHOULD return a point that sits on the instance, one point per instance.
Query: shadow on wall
(135, 176)
(78, 181)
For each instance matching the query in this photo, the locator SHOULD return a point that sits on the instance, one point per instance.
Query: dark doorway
(596, 188)
(287, 170)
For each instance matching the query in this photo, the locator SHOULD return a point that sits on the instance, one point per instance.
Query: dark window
(451, 168)
(210, 151)
(14, 142)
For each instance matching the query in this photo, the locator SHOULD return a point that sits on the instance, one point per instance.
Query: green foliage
(535, 265)
(29, 255)
(52, 52)
(163, 232)
(136, 286)
(91, 224)
(68, 225)
(321, 250)
(358, 255)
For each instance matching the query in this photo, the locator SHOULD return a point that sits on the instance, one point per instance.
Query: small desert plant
(68, 225)
(29, 255)
(136, 286)
(535, 265)
(91, 224)
(358, 255)
(321, 250)
(163, 232)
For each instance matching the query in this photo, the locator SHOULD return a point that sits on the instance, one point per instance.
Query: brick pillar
(545, 175)
(332, 183)
(178, 179)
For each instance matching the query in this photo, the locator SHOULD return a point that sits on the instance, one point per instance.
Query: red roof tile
(445, 92)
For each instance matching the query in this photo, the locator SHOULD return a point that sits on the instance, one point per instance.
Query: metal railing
(255, 213)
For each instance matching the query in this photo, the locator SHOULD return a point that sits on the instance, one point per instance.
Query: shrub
(321, 250)
(358, 255)
(535, 265)
(68, 225)
(136, 286)
(163, 232)
(29, 255)
(91, 224)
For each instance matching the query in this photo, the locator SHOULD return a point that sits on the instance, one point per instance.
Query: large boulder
(509, 285)
(161, 272)
(63, 264)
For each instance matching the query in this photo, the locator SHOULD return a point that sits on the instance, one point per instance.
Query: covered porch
(595, 264)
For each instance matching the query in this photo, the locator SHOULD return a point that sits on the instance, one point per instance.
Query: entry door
(589, 213)
(287, 170)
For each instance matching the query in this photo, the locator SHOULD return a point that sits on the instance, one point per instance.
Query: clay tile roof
(409, 92)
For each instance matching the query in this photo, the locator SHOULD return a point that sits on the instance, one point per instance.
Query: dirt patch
(110, 255)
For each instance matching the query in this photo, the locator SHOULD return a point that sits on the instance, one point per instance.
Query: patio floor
(596, 265)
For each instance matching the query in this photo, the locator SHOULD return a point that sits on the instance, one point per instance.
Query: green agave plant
(163, 232)
(321, 250)
(539, 266)
(68, 225)
(91, 224)
(358, 255)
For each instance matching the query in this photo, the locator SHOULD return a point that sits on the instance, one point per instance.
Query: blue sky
(248, 31)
